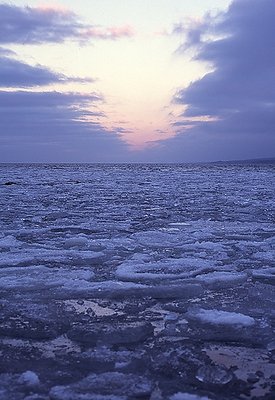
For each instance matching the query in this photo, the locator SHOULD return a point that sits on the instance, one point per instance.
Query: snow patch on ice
(87, 306)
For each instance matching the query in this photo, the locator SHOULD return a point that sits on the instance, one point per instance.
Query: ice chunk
(219, 279)
(169, 268)
(214, 375)
(8, 242)
(217, 317)
(78, 242)
(187, 396)
(29, 378)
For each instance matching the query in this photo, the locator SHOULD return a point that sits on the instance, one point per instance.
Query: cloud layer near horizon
(17, 74)
(231, 110)
(49, 126)
(54, 127)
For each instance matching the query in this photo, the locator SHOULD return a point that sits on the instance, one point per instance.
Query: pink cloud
(54, 9)
(115, 32)
(162, 32)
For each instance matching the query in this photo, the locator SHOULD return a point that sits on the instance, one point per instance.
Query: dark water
(137, 281)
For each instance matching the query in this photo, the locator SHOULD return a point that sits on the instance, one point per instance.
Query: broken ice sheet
(111, 334)
(39, 277)
(109, 384)
(61, 345)
(79, 245)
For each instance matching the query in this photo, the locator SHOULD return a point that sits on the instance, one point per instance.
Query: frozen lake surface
(137, 282)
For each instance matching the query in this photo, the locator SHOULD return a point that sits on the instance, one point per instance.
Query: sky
(137, 80)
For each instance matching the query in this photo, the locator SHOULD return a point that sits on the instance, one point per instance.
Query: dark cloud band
(55, 127)
(30, 25)
(15, 74)
(235, 103)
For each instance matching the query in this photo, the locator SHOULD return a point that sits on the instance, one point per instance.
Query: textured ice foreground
(137, 282)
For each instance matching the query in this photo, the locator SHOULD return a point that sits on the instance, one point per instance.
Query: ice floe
(218, 317)
(161, 270)
(40, 277)
(219, 279)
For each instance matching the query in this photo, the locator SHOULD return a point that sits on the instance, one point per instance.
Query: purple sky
(225, 113)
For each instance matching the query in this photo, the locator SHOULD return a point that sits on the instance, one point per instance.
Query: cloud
(6, 52)
(243, 62)
(193, 30)
(36, 25)
(49, 126)
(55, 127)
(233, 106)
(14, 73)
(112, 33)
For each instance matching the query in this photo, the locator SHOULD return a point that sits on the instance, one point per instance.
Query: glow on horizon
(137, 75)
